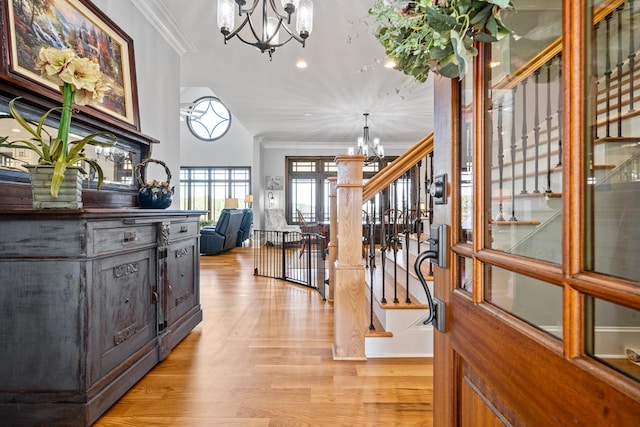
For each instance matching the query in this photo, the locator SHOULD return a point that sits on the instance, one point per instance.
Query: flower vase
(70, 194)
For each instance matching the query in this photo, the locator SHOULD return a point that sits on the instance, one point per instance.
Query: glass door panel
(613, 154)
(534, 301)
(614, 336)
(524, 137)
(467, 132)
(611, 171)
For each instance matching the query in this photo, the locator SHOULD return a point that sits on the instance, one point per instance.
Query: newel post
(333, 234)
(349, 307)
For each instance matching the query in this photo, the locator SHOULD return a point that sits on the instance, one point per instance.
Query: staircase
(525, 152)
(398, 314)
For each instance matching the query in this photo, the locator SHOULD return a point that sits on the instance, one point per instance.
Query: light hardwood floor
(262, 357)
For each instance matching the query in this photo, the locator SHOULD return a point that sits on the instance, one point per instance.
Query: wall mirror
(117, 161)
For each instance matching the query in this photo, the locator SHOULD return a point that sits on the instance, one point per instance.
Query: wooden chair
(306, 228)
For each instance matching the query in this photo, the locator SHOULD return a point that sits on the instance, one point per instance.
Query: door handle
(437, 253)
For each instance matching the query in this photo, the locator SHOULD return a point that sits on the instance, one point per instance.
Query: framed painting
(29, 25)
(274, 182)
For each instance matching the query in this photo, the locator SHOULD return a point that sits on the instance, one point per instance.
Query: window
(207, 188)
(208, 118)
(308, 187)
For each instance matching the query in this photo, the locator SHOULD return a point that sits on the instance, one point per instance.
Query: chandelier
(372, 150)
(267, 35)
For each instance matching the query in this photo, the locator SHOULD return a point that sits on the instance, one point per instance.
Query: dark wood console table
(90, 301)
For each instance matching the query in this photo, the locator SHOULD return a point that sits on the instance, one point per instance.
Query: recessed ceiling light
(16, 130)
(389, 63)
(301, 63)
(307, 114)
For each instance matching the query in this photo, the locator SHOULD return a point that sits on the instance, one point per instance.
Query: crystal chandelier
(266, 35)
(373, 150)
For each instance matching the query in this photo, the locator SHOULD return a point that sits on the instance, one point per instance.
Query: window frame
(320, 176)
(233, 187)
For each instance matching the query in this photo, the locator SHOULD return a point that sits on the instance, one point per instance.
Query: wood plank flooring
(262, 357)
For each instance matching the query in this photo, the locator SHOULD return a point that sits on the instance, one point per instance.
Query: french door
(542, 290)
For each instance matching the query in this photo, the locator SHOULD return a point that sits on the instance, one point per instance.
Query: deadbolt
(438, 189)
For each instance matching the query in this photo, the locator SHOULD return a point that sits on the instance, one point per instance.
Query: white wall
(157, 67)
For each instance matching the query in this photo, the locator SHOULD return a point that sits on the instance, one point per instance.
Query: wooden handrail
(395, 169)
(548, 53)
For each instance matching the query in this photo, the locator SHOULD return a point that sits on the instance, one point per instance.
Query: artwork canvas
(81, 26)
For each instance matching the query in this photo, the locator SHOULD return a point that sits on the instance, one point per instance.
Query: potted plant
(437, 35)
(80, 82)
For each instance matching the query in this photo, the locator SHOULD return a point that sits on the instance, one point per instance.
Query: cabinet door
(124, 304)
(181, 288)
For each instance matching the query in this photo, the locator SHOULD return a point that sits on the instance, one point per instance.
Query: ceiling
(281, 104)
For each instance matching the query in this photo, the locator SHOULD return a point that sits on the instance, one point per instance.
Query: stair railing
(395, 220)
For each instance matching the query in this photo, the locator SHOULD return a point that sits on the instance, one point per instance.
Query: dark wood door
(542, 305)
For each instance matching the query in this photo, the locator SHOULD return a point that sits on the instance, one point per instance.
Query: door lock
(437, 254)
(438, 189)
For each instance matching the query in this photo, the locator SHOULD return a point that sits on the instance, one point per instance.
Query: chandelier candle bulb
(271, 34)
(304, 20)
(226, 16)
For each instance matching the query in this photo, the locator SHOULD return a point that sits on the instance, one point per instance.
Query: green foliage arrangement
(437, 35)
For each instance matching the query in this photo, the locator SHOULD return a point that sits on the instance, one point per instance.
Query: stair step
(389, 288)
(603, 167)
(620, 139)
(379, 330)
(506, 222)
(533, 195)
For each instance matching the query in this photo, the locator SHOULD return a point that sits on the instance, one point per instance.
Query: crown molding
(340, 147)
(157, 14)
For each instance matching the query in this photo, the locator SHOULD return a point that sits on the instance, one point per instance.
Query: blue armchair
(224, 235)
(245, 226)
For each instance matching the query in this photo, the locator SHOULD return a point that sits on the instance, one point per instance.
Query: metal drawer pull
(130, 236)
(184, 229)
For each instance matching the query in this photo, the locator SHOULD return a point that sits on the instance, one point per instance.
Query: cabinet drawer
(117, 238)
(181, 230)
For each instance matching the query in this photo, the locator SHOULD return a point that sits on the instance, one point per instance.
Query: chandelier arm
(237, 30)
(265, 46)
(268, 41)
(286, 15)
(293, 35)
(259, 43)
(250, 10)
